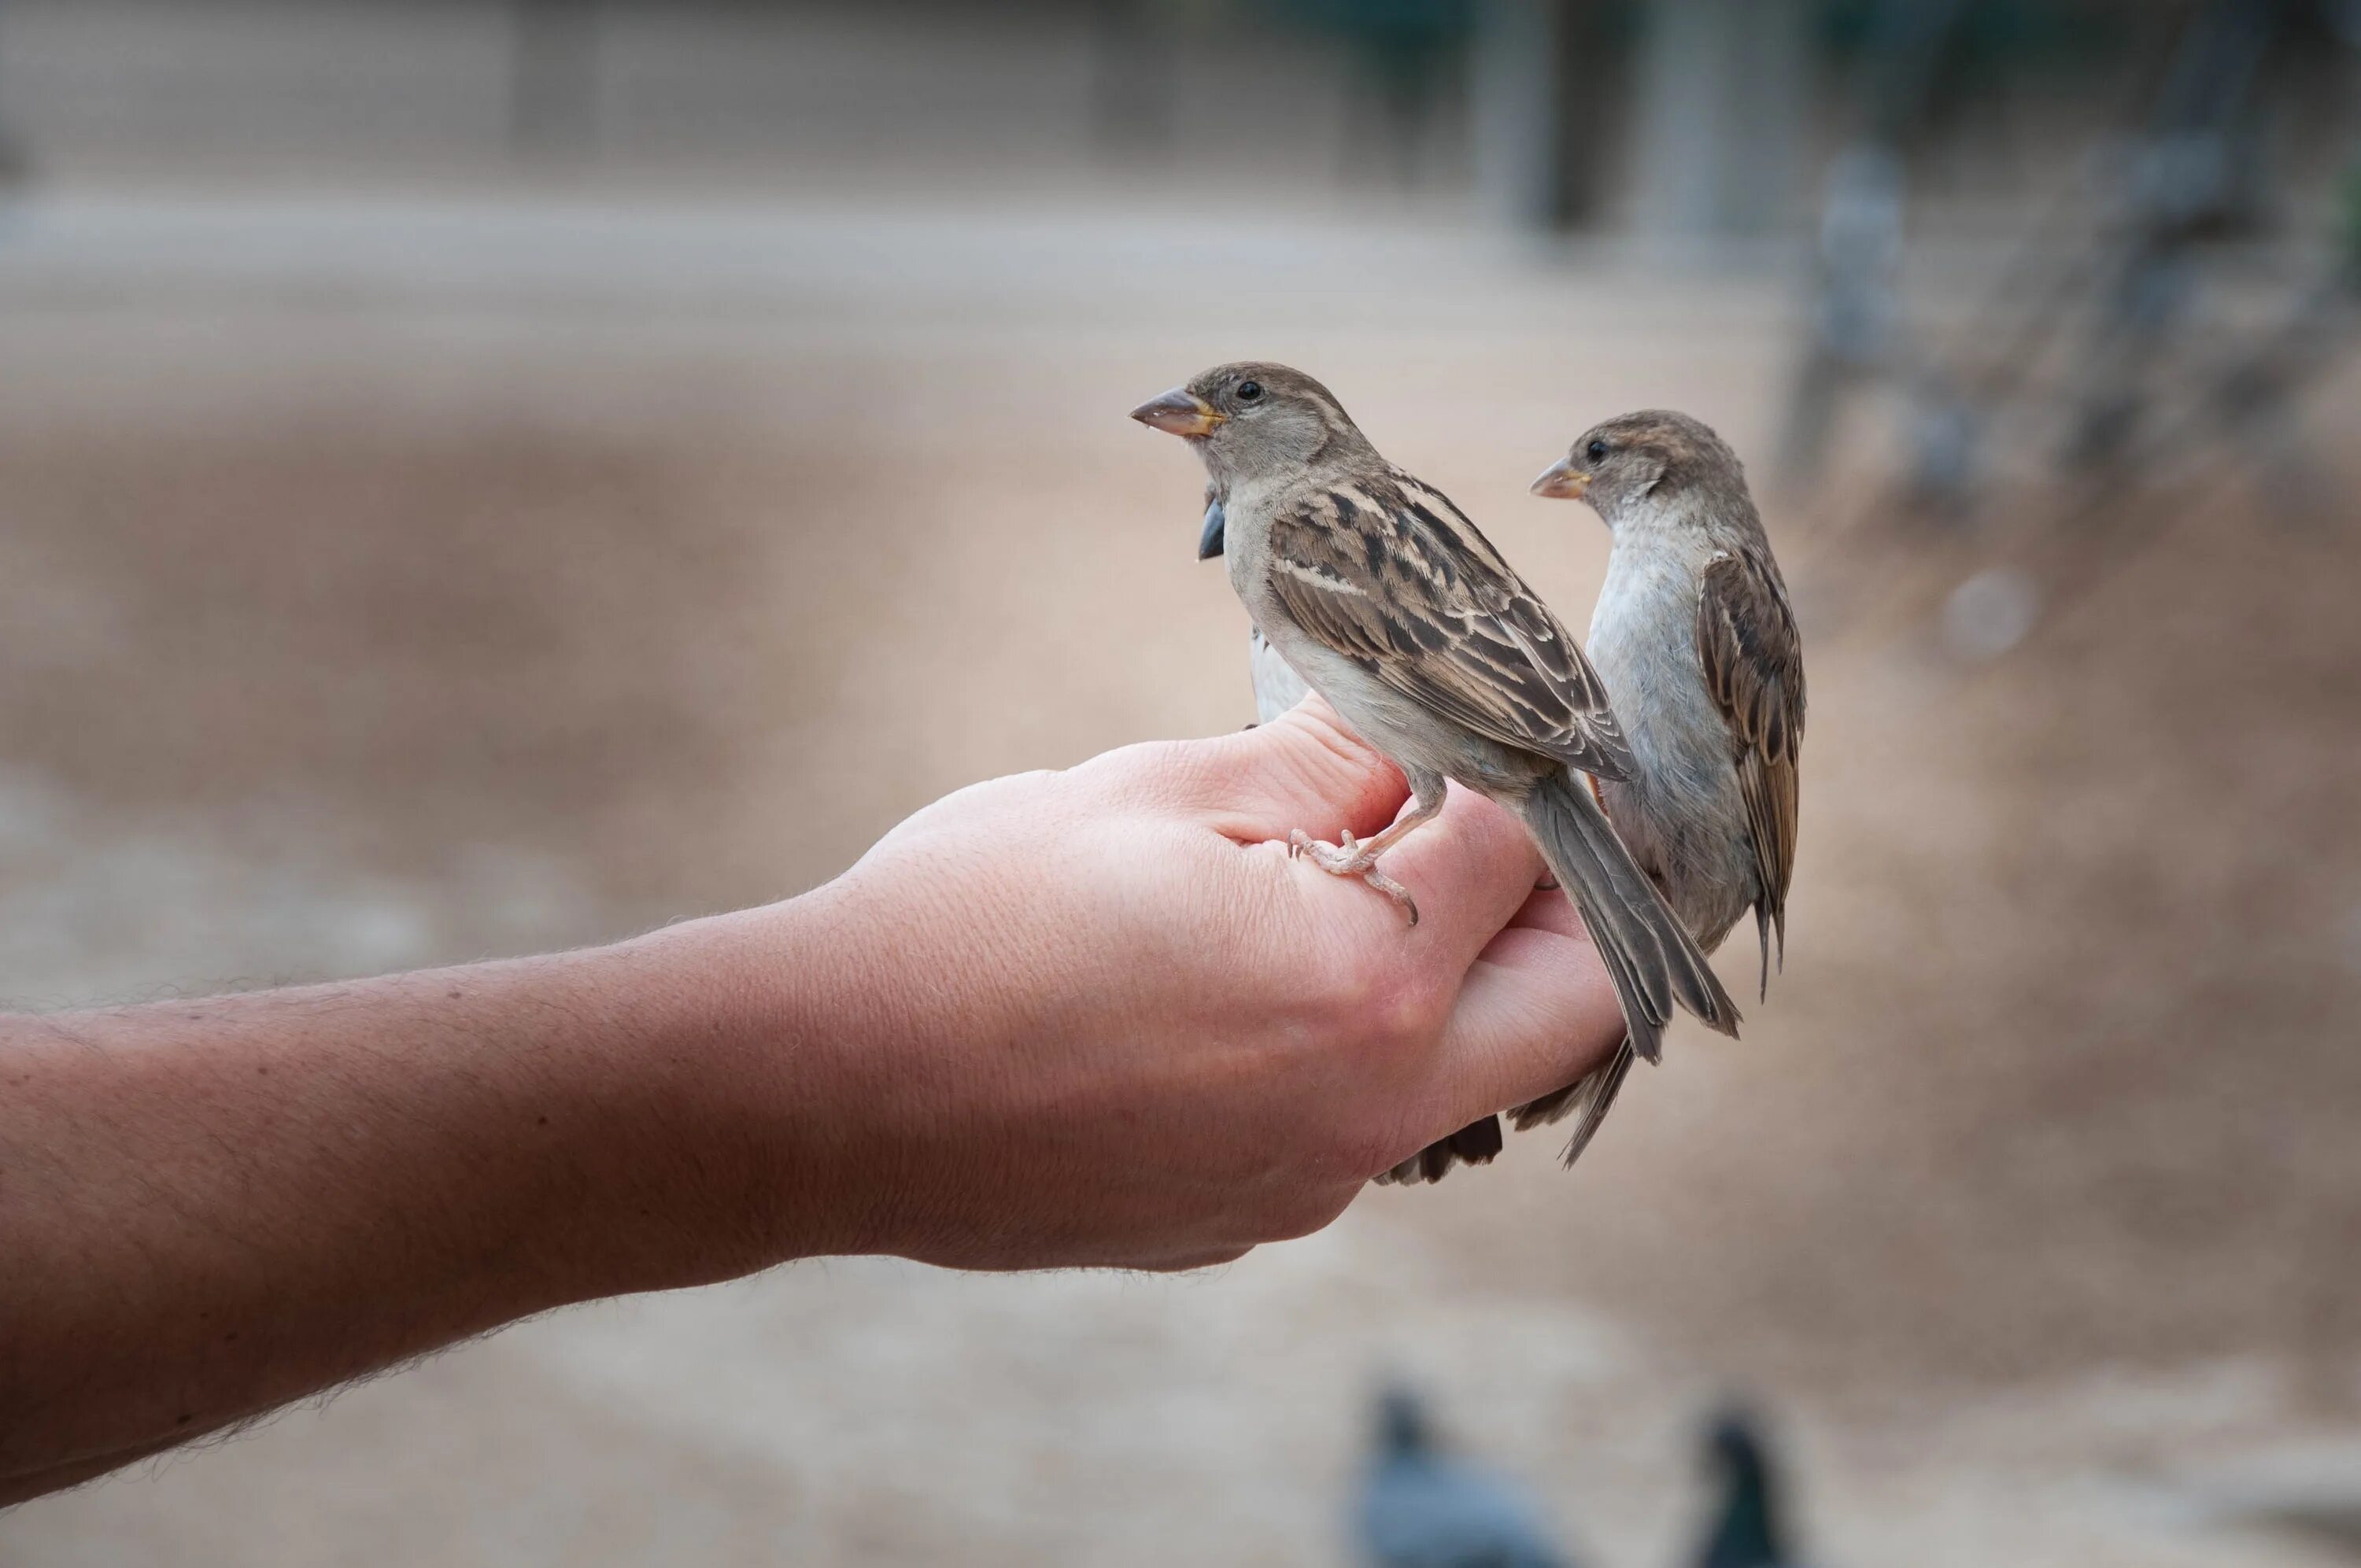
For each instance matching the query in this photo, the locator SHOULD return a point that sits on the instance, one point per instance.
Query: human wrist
(752, 1068)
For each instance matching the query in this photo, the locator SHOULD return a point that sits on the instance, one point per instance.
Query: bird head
(1744, 1528)
(1652, 457)
(1254, 421)
(1733, 1447)
(1404, 1429)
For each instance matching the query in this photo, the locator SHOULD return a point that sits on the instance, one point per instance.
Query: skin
(1097, 1017)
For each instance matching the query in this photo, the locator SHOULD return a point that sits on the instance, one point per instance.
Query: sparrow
(1696, 641)
(1277, 686)
(1385, 598)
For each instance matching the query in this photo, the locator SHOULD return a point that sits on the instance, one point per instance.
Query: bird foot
(1348, 857)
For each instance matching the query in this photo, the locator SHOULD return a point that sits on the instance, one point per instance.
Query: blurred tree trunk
(1133, 80)
(1539, 114)
(552, 76)
(14, 165)
(1721, 96)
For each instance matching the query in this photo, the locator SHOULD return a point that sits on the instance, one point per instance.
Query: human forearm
(209, 1208)
(1099, 1017)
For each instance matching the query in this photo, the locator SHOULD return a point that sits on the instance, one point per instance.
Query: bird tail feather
(1594, 1096)
(1652, 960)
(1475, 1144)
(1649, 956)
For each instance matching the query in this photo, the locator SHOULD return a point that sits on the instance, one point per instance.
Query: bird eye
(1250, 390)
(1595, 451)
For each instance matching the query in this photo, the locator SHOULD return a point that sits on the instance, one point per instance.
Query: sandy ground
(396, 581)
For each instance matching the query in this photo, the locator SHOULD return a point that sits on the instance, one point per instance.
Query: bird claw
(1348, 858)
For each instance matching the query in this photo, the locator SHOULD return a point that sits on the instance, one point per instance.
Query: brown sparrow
(1694, 638)
(1277, 686)
(1381, 595)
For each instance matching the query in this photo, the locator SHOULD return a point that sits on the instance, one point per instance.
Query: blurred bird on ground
(1748, 1527)
(1421, 1507)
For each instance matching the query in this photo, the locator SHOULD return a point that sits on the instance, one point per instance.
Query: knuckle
(1334, 754)
(1401, 1006)
(1156, 759)
(1163, 770)
(1357, 982)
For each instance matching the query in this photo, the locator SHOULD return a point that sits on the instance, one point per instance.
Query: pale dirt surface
(435, 578)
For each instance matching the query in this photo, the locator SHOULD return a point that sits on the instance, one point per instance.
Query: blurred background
(463, 466)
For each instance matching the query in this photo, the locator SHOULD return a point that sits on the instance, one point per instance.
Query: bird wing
(1386, 572)
(1754, 669)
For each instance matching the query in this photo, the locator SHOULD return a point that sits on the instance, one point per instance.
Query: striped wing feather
(1754, 669)
(1389, 573)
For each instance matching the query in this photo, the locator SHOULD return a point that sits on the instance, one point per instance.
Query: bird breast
(1682, 815)
(1277, 686)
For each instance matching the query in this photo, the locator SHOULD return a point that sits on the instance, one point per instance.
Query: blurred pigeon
(1748, 1528)
(1422, 1508)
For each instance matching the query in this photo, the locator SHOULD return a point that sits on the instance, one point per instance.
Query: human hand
(1102, 1017)
(1093, 1017)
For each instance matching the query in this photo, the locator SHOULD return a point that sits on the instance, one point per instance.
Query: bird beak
(1562, 481)
(1209, 543)
(1180, 412)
